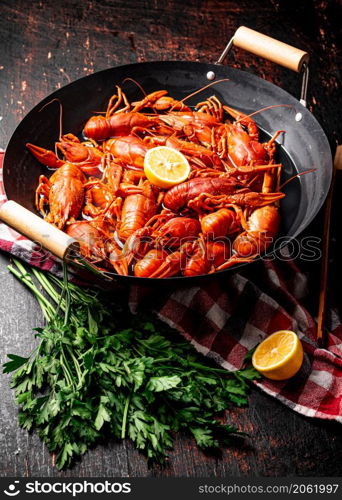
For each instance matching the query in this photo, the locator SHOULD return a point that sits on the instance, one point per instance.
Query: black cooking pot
(303, 146)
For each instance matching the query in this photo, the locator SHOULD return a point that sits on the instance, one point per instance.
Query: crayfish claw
(45, 156)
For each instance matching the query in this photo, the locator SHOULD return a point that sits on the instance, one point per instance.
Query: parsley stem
(77, 366)
(56, 296)
(137, 351)
(45, 305)
(65, 366)
(67, 294)
(209, 368)
(162, 360)
(124, 417)
(46, 284)
(53, 294)
(75, 291)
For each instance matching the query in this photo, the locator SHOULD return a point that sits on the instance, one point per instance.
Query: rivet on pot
(210, 75)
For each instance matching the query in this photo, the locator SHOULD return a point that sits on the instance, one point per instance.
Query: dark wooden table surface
(47, 44)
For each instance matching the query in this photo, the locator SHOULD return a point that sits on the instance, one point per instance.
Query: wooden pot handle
(38, 230)
(270, 48)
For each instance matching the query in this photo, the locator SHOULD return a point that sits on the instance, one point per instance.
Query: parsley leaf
(17, 362)
(158, 384)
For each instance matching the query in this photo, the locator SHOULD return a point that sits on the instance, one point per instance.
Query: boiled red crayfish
(130, 150)
(159, 101)
(63, 192)
(137, 209)
(87, 156)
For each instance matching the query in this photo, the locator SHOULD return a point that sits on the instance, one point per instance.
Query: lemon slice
(165, 167)
(279, 356)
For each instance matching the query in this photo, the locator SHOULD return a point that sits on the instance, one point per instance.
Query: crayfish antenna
(204, 88)
(295, 176)
(235, 113)
(60, 114)
(129, 79)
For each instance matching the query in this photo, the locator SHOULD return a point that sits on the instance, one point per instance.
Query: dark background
(47, 44)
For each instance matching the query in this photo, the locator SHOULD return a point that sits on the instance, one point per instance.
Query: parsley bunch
(100, 372)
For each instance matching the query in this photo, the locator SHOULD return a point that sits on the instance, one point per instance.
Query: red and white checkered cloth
(224, 320)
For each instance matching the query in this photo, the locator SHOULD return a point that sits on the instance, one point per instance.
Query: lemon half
(165, 167)
(279, 356)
